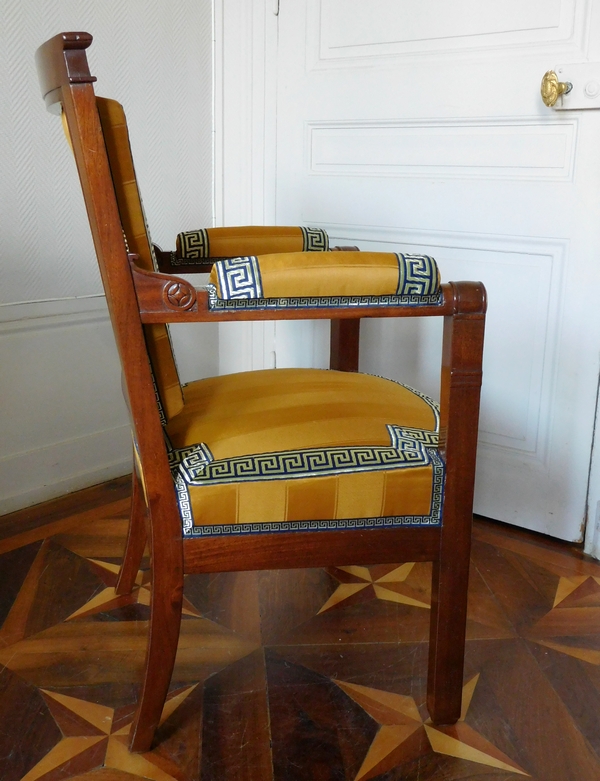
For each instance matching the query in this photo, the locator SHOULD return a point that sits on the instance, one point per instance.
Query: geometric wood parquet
(403, 733)
(292, 675)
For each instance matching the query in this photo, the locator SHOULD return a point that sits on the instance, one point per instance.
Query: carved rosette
(179, 295)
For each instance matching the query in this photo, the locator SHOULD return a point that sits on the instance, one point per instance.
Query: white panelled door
(419, 127)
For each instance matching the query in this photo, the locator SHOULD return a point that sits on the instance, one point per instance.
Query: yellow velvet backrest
(116, 138)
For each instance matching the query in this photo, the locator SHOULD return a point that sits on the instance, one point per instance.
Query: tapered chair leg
(165, 621)
(136, 540)
(447, 639)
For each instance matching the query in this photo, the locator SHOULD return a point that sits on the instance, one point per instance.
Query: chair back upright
(100, 143)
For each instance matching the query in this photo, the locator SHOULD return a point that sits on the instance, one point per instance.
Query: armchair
(277, 468)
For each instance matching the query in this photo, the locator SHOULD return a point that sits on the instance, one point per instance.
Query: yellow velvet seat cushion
(279, 416)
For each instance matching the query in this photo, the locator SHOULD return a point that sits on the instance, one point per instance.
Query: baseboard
(48, 472)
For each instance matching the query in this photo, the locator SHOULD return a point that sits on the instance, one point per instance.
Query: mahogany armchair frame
(136, 297)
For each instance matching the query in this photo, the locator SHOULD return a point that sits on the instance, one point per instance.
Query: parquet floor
(292, 676)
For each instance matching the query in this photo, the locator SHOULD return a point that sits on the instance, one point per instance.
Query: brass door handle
(552, 88)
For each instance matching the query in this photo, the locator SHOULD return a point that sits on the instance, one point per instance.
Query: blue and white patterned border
(406, 453)
(417, 275)
(193, 245)
(409, 448)
(314, 240)
(396, 521)
(217, 304)
(239, 278)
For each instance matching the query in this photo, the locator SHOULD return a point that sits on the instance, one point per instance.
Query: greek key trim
(434, 519)
(217, 304)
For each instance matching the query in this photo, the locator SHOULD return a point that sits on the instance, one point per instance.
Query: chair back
(100, 143)
(135, 230)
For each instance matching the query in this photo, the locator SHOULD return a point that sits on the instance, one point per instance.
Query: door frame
(591, 528)
(245, 124)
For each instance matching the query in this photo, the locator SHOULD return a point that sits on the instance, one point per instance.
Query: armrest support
(161, 293)
(462, 355)
(344, 345)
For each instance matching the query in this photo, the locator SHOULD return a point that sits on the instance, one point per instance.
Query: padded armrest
(329, 274)
(249, 240)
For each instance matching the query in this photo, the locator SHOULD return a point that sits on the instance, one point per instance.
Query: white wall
(63, 423)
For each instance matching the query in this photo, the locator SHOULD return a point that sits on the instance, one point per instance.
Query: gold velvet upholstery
(325, 274)
(133, 220)
(322, 435)
(248, 240)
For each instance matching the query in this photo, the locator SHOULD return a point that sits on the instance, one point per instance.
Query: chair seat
(296, 449)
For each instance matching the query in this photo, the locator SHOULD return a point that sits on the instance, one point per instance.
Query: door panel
(419, 127)
(347, 29)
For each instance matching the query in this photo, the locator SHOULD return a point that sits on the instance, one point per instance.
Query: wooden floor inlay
(296, 675)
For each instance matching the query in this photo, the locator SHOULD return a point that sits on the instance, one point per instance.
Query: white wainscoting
(64, 423)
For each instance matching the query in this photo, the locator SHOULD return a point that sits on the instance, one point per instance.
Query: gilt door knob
(552, 88)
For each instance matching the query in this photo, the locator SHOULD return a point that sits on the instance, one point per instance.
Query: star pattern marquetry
(575, 614)
(273, 683)
(407, 584)
(403, 735)
(95, 735)
(108, 599)
(578, 591)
